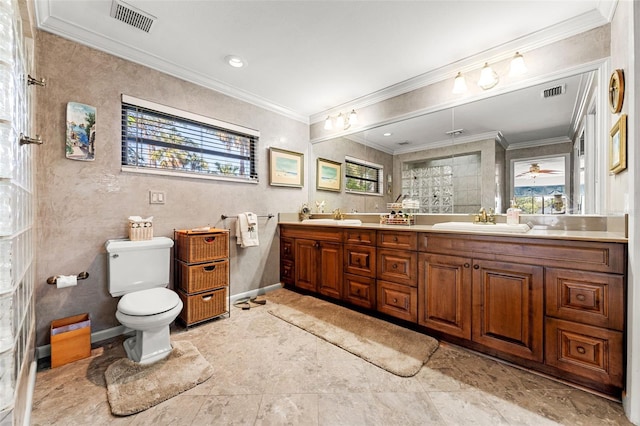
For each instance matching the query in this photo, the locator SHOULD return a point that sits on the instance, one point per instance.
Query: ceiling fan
(535, 170)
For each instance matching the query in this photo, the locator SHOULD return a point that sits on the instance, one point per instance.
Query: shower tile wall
(445, 185)
(17, 320)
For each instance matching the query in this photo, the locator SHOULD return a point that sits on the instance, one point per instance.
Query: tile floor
(268, 372)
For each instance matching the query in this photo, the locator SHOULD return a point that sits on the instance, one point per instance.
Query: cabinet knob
(581, 297)
(395, 239)
(395, 300)
(317, 245)
(476, 266)
(581, 350)
(394, 266)
(466, 265)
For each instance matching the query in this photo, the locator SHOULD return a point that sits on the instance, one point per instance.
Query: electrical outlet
(157, 197)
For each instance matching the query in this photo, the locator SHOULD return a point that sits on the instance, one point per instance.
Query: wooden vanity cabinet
(287, 263)
(359, 285)
(317, 258)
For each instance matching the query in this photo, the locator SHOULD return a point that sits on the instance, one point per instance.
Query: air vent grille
(404, 143)
(553, 91)
(132, 16)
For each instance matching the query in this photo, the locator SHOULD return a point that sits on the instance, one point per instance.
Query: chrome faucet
(484, 217)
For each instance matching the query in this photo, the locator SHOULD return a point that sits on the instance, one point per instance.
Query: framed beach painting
(328, 175)
(286, 168)
(618, 146)
(81, 132)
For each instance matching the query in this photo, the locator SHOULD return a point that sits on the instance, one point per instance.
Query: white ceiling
(307, 57)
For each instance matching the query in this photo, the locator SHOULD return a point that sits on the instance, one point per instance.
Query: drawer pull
(209, 239)
(395, 300)
(317, 245)
(357, 291)
(581, 350)
(286, 250)
(358, 261)
(466, 265)
(395, 239)
(209, 268)
(359, 237)
(581, 297)
(206, 298)
(394, 266)
(476, 266)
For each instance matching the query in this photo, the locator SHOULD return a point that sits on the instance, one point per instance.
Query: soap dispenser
(513, 214)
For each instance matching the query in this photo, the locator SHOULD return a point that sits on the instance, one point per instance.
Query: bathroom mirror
(475, 147)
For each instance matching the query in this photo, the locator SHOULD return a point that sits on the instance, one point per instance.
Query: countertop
(536, 232)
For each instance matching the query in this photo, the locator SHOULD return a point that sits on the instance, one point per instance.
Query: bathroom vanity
(549, 302)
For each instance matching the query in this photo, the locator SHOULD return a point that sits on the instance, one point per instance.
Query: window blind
(159, 140)
(362, 176)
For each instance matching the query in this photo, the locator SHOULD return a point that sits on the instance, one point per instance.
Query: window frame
(360, 162)
(197, 120)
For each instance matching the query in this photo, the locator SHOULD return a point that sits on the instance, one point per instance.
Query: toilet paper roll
(66, 281)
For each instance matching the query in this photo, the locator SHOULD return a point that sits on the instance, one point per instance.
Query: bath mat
(393, 348)
(132, 387)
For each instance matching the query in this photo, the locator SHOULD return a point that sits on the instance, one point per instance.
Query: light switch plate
(157, 197)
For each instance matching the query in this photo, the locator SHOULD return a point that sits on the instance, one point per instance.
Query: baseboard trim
(44, 351)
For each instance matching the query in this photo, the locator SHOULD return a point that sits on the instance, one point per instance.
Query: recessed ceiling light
(235, 61)
(387, 134)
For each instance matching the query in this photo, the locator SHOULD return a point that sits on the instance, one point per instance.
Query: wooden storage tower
(202, 274)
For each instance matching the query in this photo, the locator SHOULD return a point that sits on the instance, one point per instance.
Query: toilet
(139, 272)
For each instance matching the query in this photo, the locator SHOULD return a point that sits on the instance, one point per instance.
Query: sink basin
(333, 221)
(521, 228)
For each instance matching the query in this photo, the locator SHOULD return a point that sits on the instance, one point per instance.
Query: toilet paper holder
(81, 276)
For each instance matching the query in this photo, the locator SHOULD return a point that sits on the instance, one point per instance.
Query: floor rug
(132, 387)
(396, 349)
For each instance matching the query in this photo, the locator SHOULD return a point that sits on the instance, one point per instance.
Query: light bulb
(353, 117)
(488, 78)
(328, 125)
(517, 65)
(459, 84)
(340, 121)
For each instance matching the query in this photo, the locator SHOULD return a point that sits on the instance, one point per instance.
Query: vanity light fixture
(488, 77)
(235, 61)
(517, 65)
(459, 84)
(341, 122)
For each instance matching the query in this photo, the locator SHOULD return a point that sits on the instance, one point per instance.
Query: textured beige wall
(82, 204)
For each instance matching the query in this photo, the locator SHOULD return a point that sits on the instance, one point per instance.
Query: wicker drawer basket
(202, 276)
(197, 247)
(203, 306)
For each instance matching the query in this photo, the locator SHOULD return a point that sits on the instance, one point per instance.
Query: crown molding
(538, 143)
(561, 31)
(457, 140)
(90, 38)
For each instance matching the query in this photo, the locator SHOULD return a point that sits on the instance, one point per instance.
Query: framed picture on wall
(286, 168)
(618, 145)
(328, 175)
(81, 132)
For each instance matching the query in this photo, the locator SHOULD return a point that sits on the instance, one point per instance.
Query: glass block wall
(444, 185)
(17, 317)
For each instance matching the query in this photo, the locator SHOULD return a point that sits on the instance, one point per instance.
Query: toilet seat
(152, 301)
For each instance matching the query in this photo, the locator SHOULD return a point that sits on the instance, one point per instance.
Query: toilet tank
(138, 265)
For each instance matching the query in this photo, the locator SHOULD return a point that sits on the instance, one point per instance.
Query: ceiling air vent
(131, 15)
(553, 91)
(404, 143)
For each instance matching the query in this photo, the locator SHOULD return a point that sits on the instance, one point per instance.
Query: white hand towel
(246, 234)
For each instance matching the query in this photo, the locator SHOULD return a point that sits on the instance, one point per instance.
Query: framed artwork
(618, 145)
(286, 168)
(328, 175)
(81, 132)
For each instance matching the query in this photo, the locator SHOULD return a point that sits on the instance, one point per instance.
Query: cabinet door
(444, 289)
(329, 257)
(306, 261)
(508, 311)
(360, 260)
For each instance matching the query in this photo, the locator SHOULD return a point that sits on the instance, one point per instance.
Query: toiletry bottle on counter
(513, 214)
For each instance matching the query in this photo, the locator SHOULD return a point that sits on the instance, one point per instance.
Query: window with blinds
(363, 177)
(165, 140)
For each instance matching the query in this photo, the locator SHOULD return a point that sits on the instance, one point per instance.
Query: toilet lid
(148, 302)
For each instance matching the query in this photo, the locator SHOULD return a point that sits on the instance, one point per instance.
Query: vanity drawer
(398, 240)
(585, 297)
(360, 260)
(360, 236)
(398, 266)
(360, 291)
(286, 248)
(287, 273)
(591, 352)
(398, 300)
